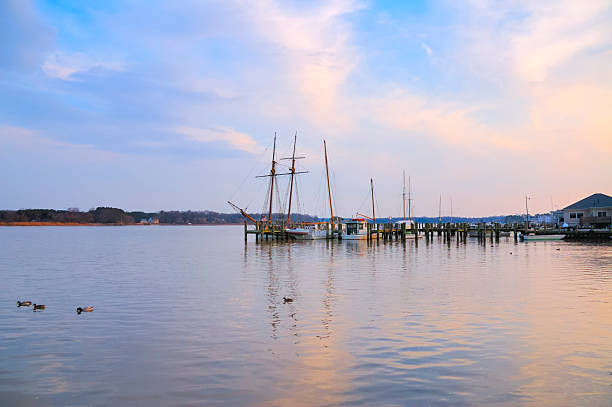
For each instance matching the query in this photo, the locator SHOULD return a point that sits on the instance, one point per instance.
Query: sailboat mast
(373, 213)
(292, 174)
(404, 197)
(272, 176)
(440, 210)
(409, 200)
(527, 210)
(331, 208)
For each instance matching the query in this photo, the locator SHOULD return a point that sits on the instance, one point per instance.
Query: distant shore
(110, 224)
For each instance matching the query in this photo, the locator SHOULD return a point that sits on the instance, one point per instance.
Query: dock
(459, 231)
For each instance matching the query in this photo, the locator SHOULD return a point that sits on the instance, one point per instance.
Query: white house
(594, 211)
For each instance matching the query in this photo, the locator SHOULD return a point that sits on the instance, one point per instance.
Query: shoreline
(8, 224)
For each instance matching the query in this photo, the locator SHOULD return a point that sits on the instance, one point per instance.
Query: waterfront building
(594, 211)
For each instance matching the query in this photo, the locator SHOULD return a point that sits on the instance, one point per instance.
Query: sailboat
(409, 222)
(318, 230)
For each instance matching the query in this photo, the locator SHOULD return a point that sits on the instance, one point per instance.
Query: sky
(156, 105)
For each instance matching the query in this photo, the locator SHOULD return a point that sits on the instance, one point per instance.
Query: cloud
(428, 50)
(446, 122)
(316, 50)
(24, 37)
(236, 139)
(556, 31)
(32, 140)
(63, 66)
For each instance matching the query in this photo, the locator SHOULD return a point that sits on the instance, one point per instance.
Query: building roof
(593, 201)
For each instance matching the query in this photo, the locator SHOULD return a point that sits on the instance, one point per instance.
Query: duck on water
(84, 309)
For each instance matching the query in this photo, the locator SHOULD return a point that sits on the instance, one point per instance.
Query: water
(193, 316)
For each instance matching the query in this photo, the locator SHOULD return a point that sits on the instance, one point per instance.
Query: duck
(38, 307)
(84, 309)
(286, 300)
(24, 303)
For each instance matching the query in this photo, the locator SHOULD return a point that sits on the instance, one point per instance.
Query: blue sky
(171, 105)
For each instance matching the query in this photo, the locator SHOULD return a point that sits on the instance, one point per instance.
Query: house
(594, 211)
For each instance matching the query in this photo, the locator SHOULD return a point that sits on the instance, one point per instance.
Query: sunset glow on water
(192, 315)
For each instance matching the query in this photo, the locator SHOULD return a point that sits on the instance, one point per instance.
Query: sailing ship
(317, 230)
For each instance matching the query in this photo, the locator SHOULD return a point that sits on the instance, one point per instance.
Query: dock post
(368, 231)
(245, 230)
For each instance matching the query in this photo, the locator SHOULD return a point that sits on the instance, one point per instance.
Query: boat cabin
(355, 227)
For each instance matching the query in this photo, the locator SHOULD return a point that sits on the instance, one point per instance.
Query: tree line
(107, 215)
(98, 215)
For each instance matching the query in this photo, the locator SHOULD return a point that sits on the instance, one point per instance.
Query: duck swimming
(286, 300)
(38, 307)
(24, 303)
(84, 309)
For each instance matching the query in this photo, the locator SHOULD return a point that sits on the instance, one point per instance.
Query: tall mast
(451, 214)
(527, 210)
(409, 200)
(373, 213)
(331, 209)
(272, 176)
(292, 169)
(440, 210)
(404, 197)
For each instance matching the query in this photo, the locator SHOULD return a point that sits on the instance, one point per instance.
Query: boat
(540, 237)
(409, 222)
(409, 234)
(313, 231)
(309, 232)
(355, 229)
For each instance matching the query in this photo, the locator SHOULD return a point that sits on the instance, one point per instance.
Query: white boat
(309, 232)
(540, 237)
(409, 234)
(355, 229)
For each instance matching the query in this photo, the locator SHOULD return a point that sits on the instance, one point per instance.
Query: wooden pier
(447, 231)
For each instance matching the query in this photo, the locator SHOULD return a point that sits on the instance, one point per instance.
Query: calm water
(193, 316)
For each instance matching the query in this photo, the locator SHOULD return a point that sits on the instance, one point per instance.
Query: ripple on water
(191, 315)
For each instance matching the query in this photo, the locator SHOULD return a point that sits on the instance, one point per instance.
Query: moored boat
(355, 229)
(309, 232)
(409, 234)
(540, 237)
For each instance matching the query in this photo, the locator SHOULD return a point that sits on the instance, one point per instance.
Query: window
(579, 214)
(572, 216)
(601, 214)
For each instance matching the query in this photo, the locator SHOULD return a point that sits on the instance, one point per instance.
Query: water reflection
(194, 315)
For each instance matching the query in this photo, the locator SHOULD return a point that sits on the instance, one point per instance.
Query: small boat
(409, 234)
(355, 229)
(309, 232)
(540, 237)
